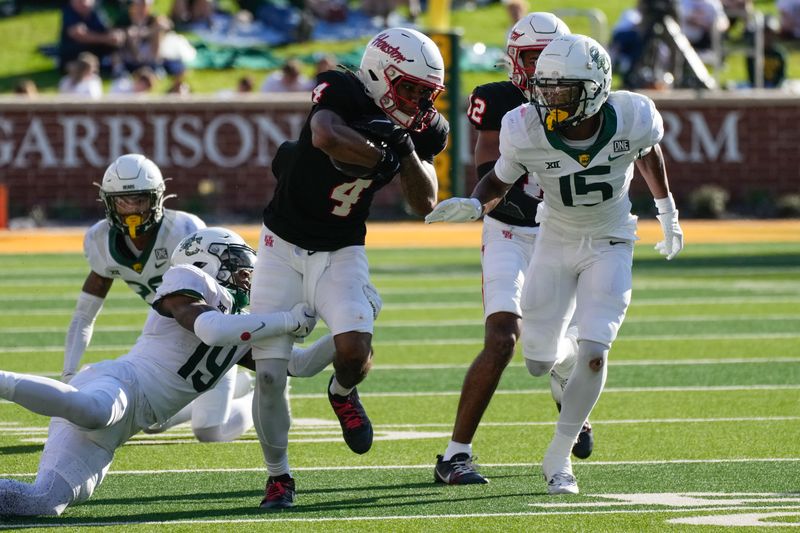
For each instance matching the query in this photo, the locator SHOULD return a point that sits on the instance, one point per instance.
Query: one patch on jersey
(222, 307)
(114, 272)
(550, 165)
(584, 159)
(623, 145)
(161, 253)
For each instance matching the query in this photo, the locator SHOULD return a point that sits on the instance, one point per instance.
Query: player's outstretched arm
(485, 197)
(218, 329)
(654, 171)
(79, 334)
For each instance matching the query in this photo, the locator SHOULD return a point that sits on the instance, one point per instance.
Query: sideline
(419, 235)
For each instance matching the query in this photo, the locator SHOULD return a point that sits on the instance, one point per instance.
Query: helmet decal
(392, 52)
(191, 244)
(599, 59)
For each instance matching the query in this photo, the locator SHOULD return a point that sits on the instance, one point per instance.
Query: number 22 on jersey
(348, 194)
(476, 108)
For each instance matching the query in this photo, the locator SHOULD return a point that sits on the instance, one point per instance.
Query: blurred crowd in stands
(126, 42)
(712, 28)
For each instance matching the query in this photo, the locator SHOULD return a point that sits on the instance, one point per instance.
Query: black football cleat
(356, 427)
(459, 470)
(279, 493)
(583, 447)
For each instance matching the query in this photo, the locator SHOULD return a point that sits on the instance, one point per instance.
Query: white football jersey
(585, 184)
(109, 256)
(172, 364)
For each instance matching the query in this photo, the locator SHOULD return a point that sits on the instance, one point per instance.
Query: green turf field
(699, 422)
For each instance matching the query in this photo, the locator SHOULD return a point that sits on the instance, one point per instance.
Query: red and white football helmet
(400, 55)
(532, 32)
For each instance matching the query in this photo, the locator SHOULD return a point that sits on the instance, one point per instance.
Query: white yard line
(428, 465)
(611, 390)
(402, 324)
(632, 362)
(279, 518)
(638, 302)
(325, 426)
(123, 348)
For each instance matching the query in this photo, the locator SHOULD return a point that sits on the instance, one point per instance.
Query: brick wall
(218, 152)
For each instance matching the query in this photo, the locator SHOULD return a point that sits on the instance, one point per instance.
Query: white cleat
(562, 483)
(558, 474)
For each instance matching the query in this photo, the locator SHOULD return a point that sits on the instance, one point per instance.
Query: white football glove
(673, 235)
(303, 321)
(455, 210)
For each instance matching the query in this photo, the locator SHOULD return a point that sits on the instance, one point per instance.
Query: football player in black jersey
(507, 245)
(364, 129)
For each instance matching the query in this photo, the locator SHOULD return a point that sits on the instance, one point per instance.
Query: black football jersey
(315, 206)
(487, 105)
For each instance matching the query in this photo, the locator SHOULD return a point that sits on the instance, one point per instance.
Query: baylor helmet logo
(191, 245)
(601, 60)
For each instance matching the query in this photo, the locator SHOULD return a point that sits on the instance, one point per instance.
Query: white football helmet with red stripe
(399, 55)
(532, 33)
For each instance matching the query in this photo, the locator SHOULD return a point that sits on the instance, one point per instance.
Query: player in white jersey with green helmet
(582, 142)
(133, 244)
(192, 337)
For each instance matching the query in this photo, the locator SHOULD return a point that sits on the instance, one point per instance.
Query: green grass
(701, 401)
(40, 25)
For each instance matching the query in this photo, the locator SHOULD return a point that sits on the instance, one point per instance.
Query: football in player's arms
(382, 133)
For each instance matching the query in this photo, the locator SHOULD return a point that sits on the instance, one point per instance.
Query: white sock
(307, 362)
(560, 446)
(49, 495)
(271, 415)
(337, 389)
(454, 448)
(583, 390)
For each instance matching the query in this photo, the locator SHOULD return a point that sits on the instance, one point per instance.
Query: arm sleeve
(80, 331)
(217, 329)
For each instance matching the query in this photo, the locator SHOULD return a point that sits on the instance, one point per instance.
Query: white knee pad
(538, 368)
